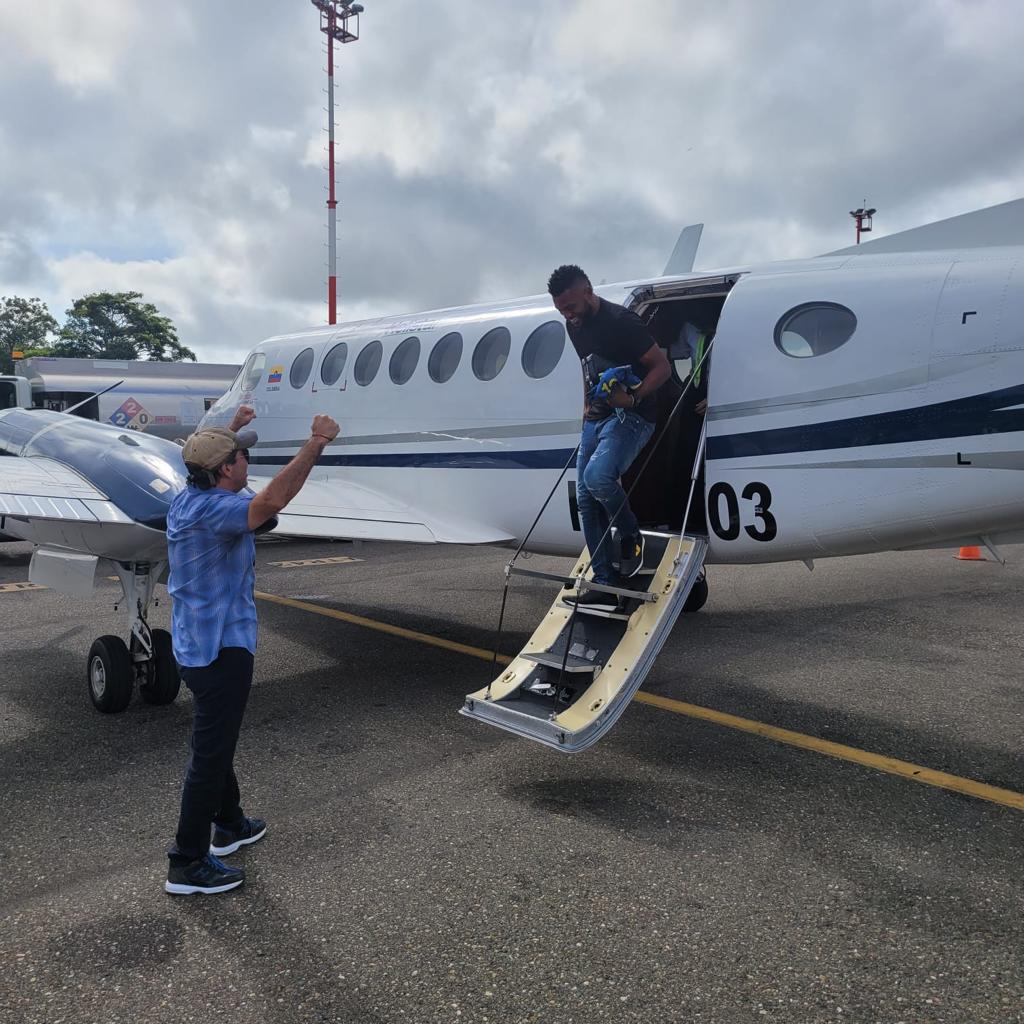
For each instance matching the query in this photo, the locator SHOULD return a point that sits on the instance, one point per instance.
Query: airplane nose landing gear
(159, 680)
(110, 674)
(114, 668)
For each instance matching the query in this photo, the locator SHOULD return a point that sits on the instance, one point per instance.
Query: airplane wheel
(163, 682)
(110, 674)
(698, 595)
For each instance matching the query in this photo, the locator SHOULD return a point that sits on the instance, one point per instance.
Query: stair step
(599, 612)
(552, 659)
(626, 592)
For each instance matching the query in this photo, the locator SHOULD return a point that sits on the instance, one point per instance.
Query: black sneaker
(594, 599)
(208, 875)
(632, 560)
(228, 840)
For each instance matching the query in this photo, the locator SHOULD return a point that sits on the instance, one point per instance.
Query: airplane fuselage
(856, 403)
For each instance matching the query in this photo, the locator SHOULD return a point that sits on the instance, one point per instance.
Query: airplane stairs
(578, 672)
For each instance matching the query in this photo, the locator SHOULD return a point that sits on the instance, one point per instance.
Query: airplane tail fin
(685, 252)
(991, 226)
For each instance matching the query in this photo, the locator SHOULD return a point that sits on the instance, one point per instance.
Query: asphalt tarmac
(422, 867)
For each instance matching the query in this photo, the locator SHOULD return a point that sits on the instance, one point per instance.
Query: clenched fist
(324, 428)
(244, 415)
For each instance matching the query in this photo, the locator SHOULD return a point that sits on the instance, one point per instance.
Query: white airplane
(866, 400)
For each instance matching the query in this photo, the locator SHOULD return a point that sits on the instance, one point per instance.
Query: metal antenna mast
(339, 20)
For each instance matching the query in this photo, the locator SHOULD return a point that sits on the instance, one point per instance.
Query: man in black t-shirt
(616, 426)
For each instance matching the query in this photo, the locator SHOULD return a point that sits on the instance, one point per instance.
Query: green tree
(25, 326)
(116, 325)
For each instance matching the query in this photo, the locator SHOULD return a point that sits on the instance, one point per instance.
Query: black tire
(164, 681)
(698, 595)
(109, 674)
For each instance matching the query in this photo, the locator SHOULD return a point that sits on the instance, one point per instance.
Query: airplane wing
(48, 503)
(42, 488)
(350, 511)
(37, 490)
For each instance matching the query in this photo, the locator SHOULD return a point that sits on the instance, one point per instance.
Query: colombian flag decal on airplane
(274, 377)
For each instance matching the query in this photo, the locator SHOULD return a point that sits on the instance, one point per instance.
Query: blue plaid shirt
(212, 557)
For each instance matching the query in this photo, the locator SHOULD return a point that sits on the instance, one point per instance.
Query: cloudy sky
(177, 149)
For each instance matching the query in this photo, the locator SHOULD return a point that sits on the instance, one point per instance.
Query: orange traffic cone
(971, 554)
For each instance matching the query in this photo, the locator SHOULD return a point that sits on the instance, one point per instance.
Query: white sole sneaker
(181, 889)
(223, 851)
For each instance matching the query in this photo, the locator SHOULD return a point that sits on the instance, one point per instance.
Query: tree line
(103, 325)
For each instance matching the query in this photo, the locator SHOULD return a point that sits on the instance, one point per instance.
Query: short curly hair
(564, 277)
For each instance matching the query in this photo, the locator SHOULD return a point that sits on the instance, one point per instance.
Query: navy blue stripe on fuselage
(547, 458)
(972, 416)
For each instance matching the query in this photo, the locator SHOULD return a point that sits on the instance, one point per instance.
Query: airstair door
(575, 677)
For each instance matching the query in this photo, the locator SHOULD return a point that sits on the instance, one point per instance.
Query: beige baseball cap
(211, 447)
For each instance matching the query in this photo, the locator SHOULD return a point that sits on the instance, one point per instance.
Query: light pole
(863, 219)
(339, 20)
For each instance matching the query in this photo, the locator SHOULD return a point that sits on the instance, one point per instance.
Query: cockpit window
(543, 349)
(253, 370)
(299, 373)
(368, 363)
(404, 360)
(445, 357)
(334, 363)
(491, 353)
(814, 329)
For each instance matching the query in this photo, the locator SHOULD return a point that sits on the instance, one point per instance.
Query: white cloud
(178, 150)
(81, 42)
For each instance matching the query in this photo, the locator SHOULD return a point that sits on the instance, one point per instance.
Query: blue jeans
(607, 449)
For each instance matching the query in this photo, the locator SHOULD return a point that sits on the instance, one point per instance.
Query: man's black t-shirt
(613, 336)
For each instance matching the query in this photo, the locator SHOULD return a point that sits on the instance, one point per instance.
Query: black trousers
(220, 691)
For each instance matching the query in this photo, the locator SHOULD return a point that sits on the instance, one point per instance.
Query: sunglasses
(244, 452)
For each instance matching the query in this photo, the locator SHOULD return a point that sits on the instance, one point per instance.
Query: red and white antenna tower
(339, 20)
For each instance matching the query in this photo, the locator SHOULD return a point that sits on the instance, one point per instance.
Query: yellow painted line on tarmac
(892, 765)
(11, 588)
(879, 762)
(383, 627)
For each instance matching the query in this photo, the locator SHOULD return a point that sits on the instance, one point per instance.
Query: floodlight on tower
(863, 218)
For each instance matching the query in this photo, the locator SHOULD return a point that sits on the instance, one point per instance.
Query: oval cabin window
(334, 363)
(445, 357)
(299, 373)
(368, 363)
(543, 349)
(491, 353)
(814, 329)
(404, 360)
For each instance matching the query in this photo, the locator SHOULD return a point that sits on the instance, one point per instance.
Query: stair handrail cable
(694, 473)
(512, 560)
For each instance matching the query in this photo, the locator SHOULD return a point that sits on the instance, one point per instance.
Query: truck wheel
(110, 674)
(164, 682)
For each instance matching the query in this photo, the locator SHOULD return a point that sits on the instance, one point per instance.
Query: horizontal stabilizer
(991, 226)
